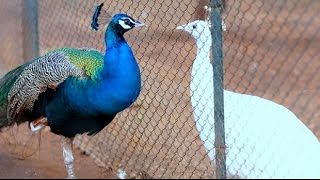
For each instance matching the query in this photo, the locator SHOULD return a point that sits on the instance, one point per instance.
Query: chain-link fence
(270, 50)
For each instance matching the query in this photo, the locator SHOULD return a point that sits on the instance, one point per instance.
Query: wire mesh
(270, 50)
(9, 34)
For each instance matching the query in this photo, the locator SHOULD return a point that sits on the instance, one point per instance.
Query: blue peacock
(74, 91)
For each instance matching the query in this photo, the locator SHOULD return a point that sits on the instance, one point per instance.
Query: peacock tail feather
(6, 84)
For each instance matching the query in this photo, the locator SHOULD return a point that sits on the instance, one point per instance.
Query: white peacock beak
(180, 27)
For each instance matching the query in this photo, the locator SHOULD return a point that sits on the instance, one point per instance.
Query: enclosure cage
(270, 49)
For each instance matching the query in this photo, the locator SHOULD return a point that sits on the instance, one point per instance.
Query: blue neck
(120, 76)
(114, 42)
(113, 37)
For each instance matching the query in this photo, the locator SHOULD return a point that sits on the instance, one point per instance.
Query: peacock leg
(67, 147)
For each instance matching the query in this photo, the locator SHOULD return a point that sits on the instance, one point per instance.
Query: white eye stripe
(124, 25)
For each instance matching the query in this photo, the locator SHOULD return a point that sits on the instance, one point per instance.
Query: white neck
(202, 71)
(202, 90)
(202, 61)
(203, 51)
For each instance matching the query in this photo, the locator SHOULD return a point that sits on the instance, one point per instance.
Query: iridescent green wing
(89, 60)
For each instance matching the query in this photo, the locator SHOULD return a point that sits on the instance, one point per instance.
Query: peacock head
(120, 23)
(123, 23)
(198, 29)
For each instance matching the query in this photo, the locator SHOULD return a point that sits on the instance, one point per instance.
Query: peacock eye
(194, 26)
(127, 21)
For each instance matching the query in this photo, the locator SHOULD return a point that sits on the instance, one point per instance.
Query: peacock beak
(138, 24)
(180, 27)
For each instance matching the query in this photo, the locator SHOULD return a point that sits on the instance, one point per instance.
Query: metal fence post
(219, 144)
(30, 29)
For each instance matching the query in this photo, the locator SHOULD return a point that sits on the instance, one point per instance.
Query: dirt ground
(270, 48)
(22, 157)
